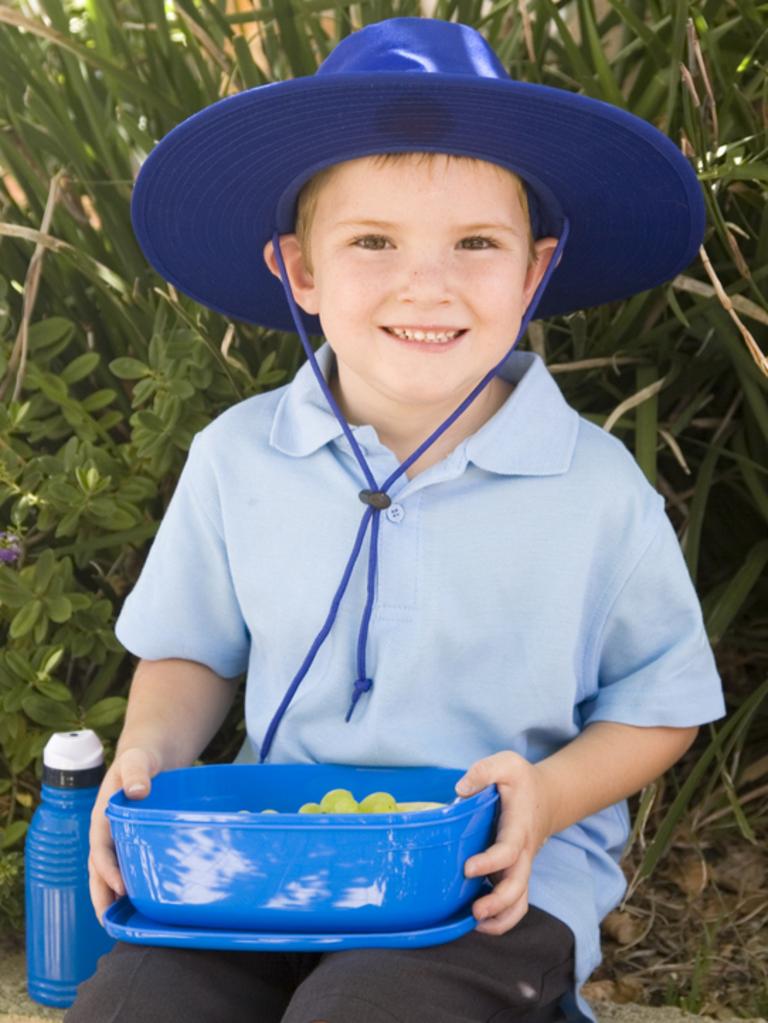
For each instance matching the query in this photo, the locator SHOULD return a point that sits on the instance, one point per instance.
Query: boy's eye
(379, 238)
(369, 237)
(480, 238)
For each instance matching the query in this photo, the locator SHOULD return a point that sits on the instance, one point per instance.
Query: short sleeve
(184, 602)
(654, 663)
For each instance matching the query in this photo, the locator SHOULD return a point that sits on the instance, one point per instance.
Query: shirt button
(395, 513)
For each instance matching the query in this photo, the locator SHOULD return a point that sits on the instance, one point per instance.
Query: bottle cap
(73, 759)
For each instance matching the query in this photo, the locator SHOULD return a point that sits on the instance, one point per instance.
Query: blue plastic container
(64, 938)
(190, 857)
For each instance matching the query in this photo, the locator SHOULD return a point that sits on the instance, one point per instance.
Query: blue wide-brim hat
(218, 186)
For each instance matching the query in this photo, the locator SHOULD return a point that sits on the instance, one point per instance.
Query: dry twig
(31, 285)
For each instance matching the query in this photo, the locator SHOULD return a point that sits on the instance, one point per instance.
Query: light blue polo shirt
(529, 584)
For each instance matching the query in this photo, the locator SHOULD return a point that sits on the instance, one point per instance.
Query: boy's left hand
(524, 824)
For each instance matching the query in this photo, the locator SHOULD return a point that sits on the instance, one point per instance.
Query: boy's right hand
(131, 769)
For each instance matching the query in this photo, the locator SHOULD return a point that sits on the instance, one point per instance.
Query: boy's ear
(301, 281)
(545, 248)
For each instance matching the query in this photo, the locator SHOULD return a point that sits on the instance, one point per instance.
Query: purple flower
(10, 548)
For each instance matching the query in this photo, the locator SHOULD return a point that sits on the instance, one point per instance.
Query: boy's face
(430, 264)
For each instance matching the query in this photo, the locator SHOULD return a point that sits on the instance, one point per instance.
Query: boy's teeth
(425, 335)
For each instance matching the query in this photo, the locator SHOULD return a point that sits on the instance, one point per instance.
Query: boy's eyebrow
(460, 227)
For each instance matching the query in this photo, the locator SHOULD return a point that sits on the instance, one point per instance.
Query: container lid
(73, 759)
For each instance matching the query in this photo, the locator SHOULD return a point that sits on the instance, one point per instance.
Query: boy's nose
(431, 275)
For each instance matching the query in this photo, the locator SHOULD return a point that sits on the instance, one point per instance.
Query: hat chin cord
(375, 497)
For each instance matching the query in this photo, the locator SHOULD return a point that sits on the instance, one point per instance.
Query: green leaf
(109, 420)
(736, 592)
(44, 569)
(25, 751)
(144, 390)
(698, 507)
(52, 713)
(62, 490)
(48, 332)
(13, 833)
(105, 712)
(138, 489)
(11, 703)
(674, 305)
(751, 470)
(250, 73)
(611, 91)
(53, 660)
(645, 34)
(579, 65)
(58, 609)
(53, 690)
(98, 400)
(294, 43)
(40, 630)
(26, 619)
(129, 369)
(53, 387)
(149, 421)
(646, 423)
(20, 666)
(80, 367)
(13, 592)
(117, 518)
(181, 388)
(740, 172)
(110, 514)
(68, 524)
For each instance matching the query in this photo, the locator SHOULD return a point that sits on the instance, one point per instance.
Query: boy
(525, 611)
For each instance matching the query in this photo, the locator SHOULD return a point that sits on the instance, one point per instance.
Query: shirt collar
(532, 434)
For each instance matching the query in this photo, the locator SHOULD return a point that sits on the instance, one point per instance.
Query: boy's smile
(411, 261)
(425, 335)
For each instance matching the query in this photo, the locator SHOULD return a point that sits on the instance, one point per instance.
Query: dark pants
(478, 978)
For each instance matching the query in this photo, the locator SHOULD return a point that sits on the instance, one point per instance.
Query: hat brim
(208, 196)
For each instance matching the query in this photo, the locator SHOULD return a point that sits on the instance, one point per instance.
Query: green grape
(269, 811)
(378, 802)
(338, 801)
(310, 808)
